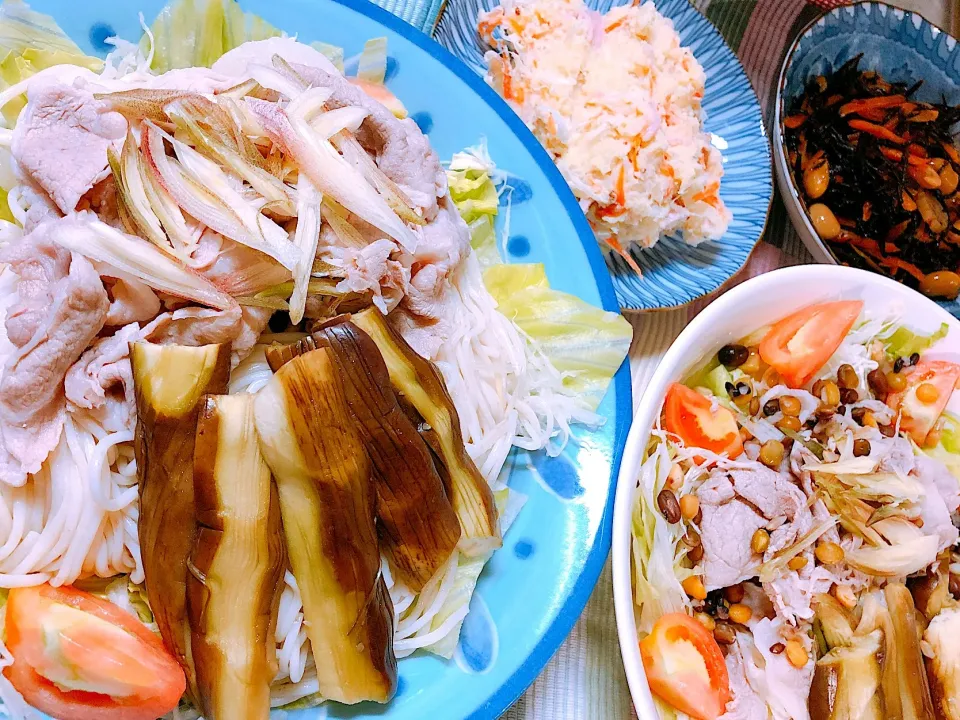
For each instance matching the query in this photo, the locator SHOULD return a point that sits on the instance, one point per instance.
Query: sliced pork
(131, 301)
(61, 140)
(103, 376)
(31, 388)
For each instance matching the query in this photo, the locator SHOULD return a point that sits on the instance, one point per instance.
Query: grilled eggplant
(906, 694)
(846, 681)
(170, 381)
(420, 382)
(236, 569)
(328, 504)
(418, 527)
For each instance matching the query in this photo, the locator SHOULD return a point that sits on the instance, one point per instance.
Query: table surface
(585, 679)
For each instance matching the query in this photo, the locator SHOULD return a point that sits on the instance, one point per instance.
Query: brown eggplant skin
(418, 527)
(906, 693)
(846, 681)
(328, 499)
(237, 565)
(169, 382)
(419, 381)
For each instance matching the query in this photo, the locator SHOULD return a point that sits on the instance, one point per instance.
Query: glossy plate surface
(675, 274)
(535, 587)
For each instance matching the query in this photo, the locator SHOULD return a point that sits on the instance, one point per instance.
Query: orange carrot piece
(875, 103)
(615, 245)
(898, 264)
(794, 121)
(877, 131)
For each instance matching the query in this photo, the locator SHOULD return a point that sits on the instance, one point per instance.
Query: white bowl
(735, 314)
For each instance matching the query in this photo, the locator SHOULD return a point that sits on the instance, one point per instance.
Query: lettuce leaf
(586, 344)
(31, 42)
(373, 61)
(475, 195)
(195, 33)
(903, 341)
(947, 450)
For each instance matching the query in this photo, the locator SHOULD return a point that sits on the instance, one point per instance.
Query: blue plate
(535, 587)
(902, 46)
(675, 274)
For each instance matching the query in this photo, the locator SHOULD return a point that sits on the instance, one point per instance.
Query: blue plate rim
(571, 609)
(765, 134)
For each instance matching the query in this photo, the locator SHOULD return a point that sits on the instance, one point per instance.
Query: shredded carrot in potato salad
(617, 101)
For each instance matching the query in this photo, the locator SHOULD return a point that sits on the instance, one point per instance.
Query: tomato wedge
(79, 657)
(685, 667)
(920, 412)
(382, 95)
(688, 414)
(800, 344)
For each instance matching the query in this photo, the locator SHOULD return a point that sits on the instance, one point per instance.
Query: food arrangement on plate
(263, 366)
(866, 153)
(793, 545)
(670, 164)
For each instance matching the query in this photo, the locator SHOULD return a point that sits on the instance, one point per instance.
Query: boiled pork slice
(61, 140)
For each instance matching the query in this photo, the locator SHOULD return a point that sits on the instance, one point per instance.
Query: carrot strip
(874, 103)
(614, 25)
(615, 245)
(877, 131)
(621, 195)
(898, 264)
(915, 149)
(794, 121)
(951, 152)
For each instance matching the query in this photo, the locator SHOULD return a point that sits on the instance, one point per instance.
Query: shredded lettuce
(584, 343)
(195, 33)
(903, 341)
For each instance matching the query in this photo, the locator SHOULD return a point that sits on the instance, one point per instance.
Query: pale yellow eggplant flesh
(236, 568)
(422, 386)
(418, 527)
(906, 693)
(846, 681)
(169, 382)
(328, 506)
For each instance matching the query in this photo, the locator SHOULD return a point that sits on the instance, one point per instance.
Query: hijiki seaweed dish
(262, 367)
(794, 526)
(877, 171)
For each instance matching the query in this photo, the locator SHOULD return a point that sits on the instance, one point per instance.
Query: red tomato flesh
(917, 418)
(685, 667)
(688, 414)
(79, 657)
(800, 344)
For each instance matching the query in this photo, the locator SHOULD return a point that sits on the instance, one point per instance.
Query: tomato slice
(685, 667)
(80, 657)
(918, 417)
(688, 414)
(800, 344)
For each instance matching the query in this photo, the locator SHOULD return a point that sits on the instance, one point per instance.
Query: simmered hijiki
(256, 390)
(794, 535)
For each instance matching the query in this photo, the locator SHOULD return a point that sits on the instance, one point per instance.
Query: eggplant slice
(237, 565)
(418, 526)
(170, 381)
(328, 504)
(422, 387)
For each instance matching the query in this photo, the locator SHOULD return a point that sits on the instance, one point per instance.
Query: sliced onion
(354, 153)
(84, 234)
(273, 79)
(201, 188)
(216, 145)
(141, 103)
(135, 211)
(329, 172)
(348, 117)
(166, 209)
(306, 237)
(336, 218)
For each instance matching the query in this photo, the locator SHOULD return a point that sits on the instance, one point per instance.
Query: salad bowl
(741, 312)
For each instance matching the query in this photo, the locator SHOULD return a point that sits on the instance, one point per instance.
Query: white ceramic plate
(737, 313)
